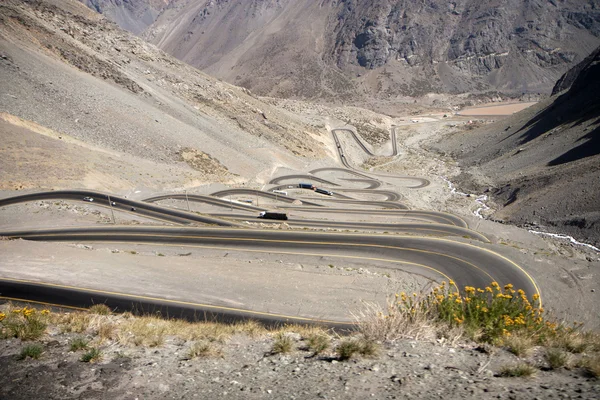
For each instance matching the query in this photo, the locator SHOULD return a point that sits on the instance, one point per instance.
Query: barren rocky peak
(385, 48)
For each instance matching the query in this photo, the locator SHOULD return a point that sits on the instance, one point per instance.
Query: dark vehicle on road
(272, 215)
(306, 186)
(323, 191)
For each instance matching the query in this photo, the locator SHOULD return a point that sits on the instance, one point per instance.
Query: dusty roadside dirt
(246, 368)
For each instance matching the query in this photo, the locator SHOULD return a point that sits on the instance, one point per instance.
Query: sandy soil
(496, 109)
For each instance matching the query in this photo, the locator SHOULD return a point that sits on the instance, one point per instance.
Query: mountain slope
(132, 15)
(68, 69)
(380, 49)
(543, 164)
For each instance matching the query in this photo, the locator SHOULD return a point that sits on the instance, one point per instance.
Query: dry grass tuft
(318, 343)
(107, 332)
(348, 348)
(376, 325)
(520, 370)
(143, 331)
(283, 343)
(79, 343)
(557, 358)
(202, 349)
(575, 340)
(76, 322)
(519, 344)
(100, 309)
(591, 365)
(303, 330)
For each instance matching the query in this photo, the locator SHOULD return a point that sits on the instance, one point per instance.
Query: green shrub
(350, 347)
(491, 314)
(32, 350)
(24, 323)
(79, 343)
(92, 355)
(283, 343)
(318, 343)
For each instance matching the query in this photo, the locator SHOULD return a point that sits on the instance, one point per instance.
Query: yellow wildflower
(488, 289)
(535, 297)
(508, 286)
(2, 316)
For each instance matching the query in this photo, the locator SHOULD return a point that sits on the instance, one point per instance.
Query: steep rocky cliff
(349, 49)
(542, 165)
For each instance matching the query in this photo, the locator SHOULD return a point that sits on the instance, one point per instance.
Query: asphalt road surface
(417, 249)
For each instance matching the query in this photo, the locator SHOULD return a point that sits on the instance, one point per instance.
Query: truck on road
(324, 191)
(306, 186)
(273, 215)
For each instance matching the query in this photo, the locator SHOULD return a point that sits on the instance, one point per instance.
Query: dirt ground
(496, 109)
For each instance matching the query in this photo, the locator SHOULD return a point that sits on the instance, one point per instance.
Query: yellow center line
(174, 302)
(40, 302)
(349, 244)
(291, 242)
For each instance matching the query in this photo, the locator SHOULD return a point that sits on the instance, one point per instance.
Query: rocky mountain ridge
(380, 49)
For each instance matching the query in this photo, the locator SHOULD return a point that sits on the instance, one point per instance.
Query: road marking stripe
(41, 302)
(361, 244)
(175, 302)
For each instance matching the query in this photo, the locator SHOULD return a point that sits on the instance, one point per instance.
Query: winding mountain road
(417, 249)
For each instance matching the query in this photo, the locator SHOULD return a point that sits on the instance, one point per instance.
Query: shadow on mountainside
(576, 106)
(590, 147)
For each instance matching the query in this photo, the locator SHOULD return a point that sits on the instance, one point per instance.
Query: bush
(487, 315)
(33, 350)
(347, 349)
(201, 349)
(24, 323)
(92, 355)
